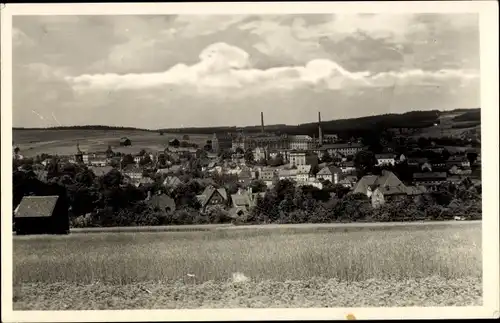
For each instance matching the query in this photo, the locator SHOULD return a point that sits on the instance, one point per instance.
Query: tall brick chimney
(262, 122)
(320, 133)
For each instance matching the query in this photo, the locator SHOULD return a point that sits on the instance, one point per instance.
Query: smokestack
(320, 133)
(262, 122)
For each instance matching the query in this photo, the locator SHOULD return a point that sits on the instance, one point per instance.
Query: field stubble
(196, 269)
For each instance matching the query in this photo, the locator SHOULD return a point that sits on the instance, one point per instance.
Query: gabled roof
(392, 190)
(385, 156)
(329, 170)
(209, 192)
(372, 181)
(100, 171)
(429, 175)
(172, 181)
(36, 206)
(241, 200)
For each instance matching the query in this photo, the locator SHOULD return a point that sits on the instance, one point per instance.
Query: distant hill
(344, 127)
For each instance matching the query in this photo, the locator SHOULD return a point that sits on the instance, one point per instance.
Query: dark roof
(341, 146)
(209, 192)
(429, 175)
(99, 171)
(36, 206)
(387, 179)
(162, 201)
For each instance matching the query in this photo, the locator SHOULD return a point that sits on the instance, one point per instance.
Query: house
(41, 175)
(269, 176)
(344, 149)
(260, 153)
(124, 141)
(137, 159)
(429, 179)
(417, 162)
(330, 173)
(347, 167)
(134, 173)
(299, 157)
(100, 171)
(143, 181)
(245, 177)
(161, 202)
(367, 184)
(242, 202)
(172, 182)
(459, 161)
(385, 159)
(212, 196)
(290, 174)
(348, 181)
(426, 167)
(41, 215)
(311, 182)
(303, 173)
(438, 165)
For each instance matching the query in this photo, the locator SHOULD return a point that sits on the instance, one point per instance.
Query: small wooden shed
(124, 141)
(41, 215)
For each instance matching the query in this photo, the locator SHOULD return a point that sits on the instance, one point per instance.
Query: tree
(249, 158)
(472, 156)
(224, 154)
(326, 157)
(109, 152)
(146, 160)
(239, 151)
(142, 152)
(127, 160)
(364, 161)
(161, 133)
(185, 137)
(257, 186)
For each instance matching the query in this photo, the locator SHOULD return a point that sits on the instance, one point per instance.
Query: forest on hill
(342, 127)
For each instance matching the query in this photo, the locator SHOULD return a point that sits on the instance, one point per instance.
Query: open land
(424, 265)
(63, 142)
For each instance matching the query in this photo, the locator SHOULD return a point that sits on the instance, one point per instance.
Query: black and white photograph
(167, 159)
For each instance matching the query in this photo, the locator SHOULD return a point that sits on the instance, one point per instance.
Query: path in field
(340, 226)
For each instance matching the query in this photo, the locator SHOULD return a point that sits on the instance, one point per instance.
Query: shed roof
(36, 206)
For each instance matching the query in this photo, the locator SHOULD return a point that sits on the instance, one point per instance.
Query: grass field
(62, 142)
(412, 266)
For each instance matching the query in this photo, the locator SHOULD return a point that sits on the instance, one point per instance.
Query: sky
(171, 71)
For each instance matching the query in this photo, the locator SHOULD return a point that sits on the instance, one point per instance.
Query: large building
(221, 142)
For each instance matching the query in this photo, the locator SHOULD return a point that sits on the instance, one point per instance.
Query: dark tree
(364, 161)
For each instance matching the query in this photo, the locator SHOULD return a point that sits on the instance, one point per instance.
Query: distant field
(35, 142)
(412, 266)
(449, 127)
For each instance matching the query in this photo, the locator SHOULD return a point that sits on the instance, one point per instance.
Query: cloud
(224, 67)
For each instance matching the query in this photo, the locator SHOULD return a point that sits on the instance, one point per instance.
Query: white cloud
(225, 67)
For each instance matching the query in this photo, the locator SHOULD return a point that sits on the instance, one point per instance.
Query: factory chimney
(320, 133)
(262, 122)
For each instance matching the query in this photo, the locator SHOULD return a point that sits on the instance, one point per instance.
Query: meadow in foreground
(411, 267)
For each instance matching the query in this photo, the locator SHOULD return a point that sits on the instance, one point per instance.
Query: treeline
(108, 200)
(287, 204)
(85, 127)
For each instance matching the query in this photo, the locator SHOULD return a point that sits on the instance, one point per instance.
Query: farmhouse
(41, 215)
(429, 179)
(124, 141)
(367, 184)
(212, 196)
(330, 173)
(242, 202)
(385, 159)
